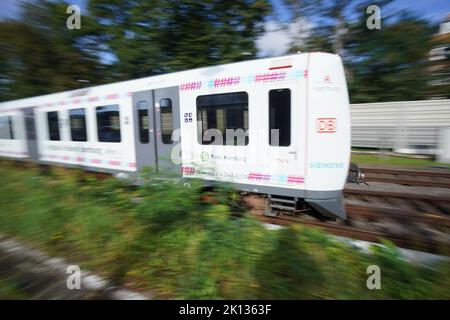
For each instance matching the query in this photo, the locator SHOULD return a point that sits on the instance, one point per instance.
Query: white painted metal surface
(405, 126)
(444, 145)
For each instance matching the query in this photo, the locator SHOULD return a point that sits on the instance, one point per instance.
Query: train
(279, 127)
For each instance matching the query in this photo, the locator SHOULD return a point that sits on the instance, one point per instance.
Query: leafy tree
(389, 64)
(330, 19)
(381, 65)
(40, 55)
(159, 36)
(144, 37)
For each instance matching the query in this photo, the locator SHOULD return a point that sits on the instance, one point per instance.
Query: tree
(381, 65)
(389, 64)
(159, 36)
(330, 23)
(40, 55)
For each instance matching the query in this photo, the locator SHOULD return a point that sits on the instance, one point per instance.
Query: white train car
(277, 126)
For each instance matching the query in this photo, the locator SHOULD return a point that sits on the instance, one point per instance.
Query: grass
(165, 238)
(366, 159)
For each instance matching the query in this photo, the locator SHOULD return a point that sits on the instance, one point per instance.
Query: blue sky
(432, 10)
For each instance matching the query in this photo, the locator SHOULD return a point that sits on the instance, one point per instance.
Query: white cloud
(278, 38)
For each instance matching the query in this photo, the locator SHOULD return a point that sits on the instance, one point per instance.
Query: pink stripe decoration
(96, 161)
(296, 179)
(270, 77)
(225, 82)
(258, 176)
(194, 85)
(188, 170)
(114, 163)
(93, 99)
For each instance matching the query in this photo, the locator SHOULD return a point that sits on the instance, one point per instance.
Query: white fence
(404, 126)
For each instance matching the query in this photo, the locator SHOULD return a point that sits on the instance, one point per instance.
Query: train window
(53, 126)
(280, 117)
(166, 120)
(6, 128)
(78, 124)
(108, 123)
(223, 113)
(144, 134)
(11, 127)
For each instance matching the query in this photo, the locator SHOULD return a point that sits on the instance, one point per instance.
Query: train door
(30, 133)
(144, 129)
(285, 136)
(167, 119)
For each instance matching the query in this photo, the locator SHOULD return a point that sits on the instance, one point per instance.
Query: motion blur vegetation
(123, 40)
(176, 241)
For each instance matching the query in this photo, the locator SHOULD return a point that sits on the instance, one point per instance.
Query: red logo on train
(326, 125)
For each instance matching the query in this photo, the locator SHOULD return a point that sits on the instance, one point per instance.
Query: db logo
(326, 125)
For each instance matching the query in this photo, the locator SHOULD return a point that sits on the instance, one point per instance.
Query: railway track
(431, 206)
(414, 238)
(421, 243)
(426, 178)
(412, 217)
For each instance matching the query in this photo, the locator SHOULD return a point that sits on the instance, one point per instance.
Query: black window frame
(163, 107)
(53, 134)
(144, 133)
(284, 131)
(74, 134)
(234, 110)
(11, 127)
(115, 138)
